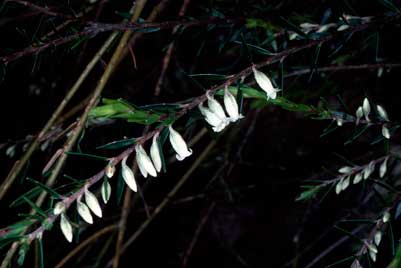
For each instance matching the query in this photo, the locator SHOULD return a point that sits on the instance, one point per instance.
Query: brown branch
(43, 10)
(344, 68)
(197, 234)
(86, 242)
(169, 52)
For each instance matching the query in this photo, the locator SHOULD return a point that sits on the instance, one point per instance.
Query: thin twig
(86, 242)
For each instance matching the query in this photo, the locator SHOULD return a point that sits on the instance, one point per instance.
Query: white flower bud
(128, 175)
(178, 144)
(345, 183)
(357, 178)
(345, 170)
(343, 28)
(215, 106)
(265, 83)
(372, 256)
(339, 186)
(110, 170)
(382, 113)
(385, 132)
(367, 171)
(372, 248)
(386, 216)
(359, 114)
(383, 167)
(105, 191)
(59, 208)
(84, 212)
(92, 203)
(378, 237)
(339, 121)
(66, 228)
(366, 108)
(231, 105)
(155, 154)
(144, 163)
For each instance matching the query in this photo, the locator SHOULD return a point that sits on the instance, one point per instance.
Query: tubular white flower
(345, 170)
(144, 163)
(215, 106)
(383, 168)
(105, 191)
(378, 237)
(66, 228)
(178, 144)
(128, 175)
(358, 177)
(155, 154)
(385, 132)
(382, 113)
(359, 114)
(366, 108)
(345, 183)
(217, 123)
(265, 83)
(92, 203)
(84, 212)
(231, 105)
(386, 216)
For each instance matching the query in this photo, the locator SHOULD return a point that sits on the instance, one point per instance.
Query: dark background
(255, 221)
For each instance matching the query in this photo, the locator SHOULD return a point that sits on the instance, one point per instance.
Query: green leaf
(117, 144)
(309, 193)
(41, 259)
(30, 194)
(293, 27)
(396, 262)
(90, 156)
(45, 187)
(35, 207)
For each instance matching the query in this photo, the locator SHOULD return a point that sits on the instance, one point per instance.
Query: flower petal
(92, 203)
(84, 212)
(66, 228)
(178, 144)
(144, 162)
(155, 154)
(128, 175)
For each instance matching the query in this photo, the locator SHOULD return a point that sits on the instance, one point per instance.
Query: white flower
(155, 154)
(231, 105)
(345, 183)
(345, 170)
(382, 113)
(265, 83)
(66, 228)
(215, 106)
(386, 216)
(84, 212)
(339, 186)
(58, 208)
(110, 170)
(383, 168)
(128, 175)
(105, 191)
(378, 237)
(92, 203)
(367, 171)
(385, 132)
(359, 114)
(217, 123)
(178, 144)
(357, 178)
(340, 121)
(372, 255)
(366, 108)
(343, 27)
(144, 163)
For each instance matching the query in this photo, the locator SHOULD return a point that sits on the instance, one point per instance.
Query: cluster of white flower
(359, 173)
(147, 166)
(214, 114)
(365, 110)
